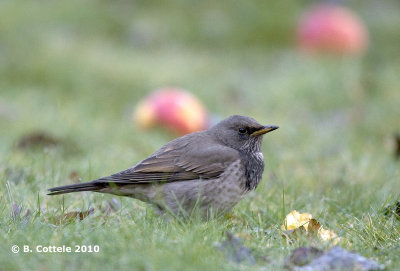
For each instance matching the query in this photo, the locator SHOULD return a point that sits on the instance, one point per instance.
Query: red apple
(173, 108)
(332, 29)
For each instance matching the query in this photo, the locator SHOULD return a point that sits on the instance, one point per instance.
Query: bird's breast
(254, 168)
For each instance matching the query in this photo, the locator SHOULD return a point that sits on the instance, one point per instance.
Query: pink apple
(173, 108)
(332, 29)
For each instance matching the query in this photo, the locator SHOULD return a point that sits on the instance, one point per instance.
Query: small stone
(340, 259)
(235, 251)
(302, 256)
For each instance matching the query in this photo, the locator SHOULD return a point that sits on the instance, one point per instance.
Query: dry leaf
(72, 216)
(313, 226)
(74, 177)
(296, 224)
(37, 139)
(296, 220)
(328, 235)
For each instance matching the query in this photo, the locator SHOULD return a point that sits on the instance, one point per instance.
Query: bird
(207, 171)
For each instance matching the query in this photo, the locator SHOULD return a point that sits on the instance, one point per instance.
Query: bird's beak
(264, 130)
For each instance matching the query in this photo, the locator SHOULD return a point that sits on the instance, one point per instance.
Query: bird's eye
(242, 130)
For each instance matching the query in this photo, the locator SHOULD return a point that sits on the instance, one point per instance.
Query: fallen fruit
(328, 28)
(172, 108)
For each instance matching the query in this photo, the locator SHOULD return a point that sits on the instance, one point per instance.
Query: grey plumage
(207, 170)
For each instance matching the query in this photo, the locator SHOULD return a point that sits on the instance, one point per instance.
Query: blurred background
(72, 74)
(78, 81)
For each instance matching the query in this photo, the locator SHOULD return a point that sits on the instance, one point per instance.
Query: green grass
(76, 70)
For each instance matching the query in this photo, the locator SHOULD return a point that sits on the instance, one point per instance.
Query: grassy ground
(76, 69)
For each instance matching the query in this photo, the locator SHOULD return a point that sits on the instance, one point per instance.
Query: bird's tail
(90, 186)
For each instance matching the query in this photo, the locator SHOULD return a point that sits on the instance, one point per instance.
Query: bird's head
(241, 133)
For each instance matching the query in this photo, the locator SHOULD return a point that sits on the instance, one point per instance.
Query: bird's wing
(183, 159)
